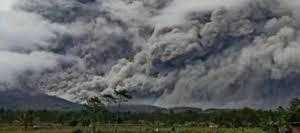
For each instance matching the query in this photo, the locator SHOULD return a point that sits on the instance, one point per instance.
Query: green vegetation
(95, 118)
(135, 129)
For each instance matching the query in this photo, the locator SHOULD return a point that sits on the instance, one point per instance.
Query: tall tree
(295, 104)
(118, 97)
(26, 119)
(95, 106)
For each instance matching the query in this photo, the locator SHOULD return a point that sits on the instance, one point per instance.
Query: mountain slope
(21, 100)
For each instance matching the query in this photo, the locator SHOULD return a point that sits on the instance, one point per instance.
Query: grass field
(127, 129)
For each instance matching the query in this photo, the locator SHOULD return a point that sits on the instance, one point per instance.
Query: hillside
(21, 100)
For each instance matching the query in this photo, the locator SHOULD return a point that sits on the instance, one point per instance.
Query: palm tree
(26, 119)
(94, 106)
(118, 97)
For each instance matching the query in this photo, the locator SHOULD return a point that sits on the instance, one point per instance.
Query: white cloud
(6, 5)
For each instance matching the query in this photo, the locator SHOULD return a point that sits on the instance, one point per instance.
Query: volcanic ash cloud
(208, 53)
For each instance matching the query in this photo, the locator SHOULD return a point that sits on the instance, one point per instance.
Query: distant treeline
(245, 117)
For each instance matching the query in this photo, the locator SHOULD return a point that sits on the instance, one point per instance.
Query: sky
(6, 4)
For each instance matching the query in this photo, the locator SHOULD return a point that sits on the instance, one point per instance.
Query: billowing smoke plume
(203, 53)
(24, 42)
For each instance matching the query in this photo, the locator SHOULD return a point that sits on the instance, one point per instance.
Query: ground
(128, 129)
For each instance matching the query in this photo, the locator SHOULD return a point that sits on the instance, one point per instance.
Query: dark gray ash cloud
(208, 53)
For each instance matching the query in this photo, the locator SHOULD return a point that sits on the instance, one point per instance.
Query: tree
(118, 97)
(60, 119)
(94, 106)
(26, 119)
(295, 104)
